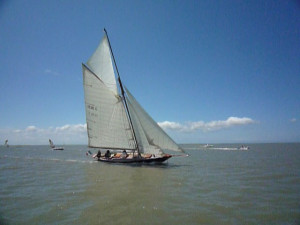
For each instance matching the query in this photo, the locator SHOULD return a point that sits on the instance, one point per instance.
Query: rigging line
(123, 92)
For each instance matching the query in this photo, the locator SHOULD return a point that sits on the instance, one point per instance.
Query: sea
(216, 185)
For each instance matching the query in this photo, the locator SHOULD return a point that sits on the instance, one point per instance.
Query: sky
(207, 71)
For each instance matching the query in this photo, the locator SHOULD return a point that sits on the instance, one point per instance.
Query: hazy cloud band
(77, 133)
(209, 126)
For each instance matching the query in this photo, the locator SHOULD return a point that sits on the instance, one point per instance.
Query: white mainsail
(107, 122)
(114, 120)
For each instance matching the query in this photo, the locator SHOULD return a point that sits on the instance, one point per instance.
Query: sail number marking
(92, 110)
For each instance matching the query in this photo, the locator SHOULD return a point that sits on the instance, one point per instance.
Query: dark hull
(135, 160)
(59, 148)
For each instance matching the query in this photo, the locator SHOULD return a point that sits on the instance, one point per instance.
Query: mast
(123, 93)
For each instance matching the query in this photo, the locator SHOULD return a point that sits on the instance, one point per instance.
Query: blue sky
(207, 71)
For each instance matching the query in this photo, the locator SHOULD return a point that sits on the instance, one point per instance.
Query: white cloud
(71, 128)
(293, 120)
(31, 129)
(17, 131)
(48, 71)
(209, 126)
(66, 134)
(63, 128)
(170, 125)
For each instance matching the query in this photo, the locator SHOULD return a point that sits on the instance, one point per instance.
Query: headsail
(151, 135)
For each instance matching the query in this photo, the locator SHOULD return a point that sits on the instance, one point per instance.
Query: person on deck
(107, 154)
(124, 154)
(98, 154)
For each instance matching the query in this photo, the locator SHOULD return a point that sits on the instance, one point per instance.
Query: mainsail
(107, 122)
(115, 120)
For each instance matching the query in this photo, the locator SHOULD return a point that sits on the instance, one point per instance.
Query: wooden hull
(135, 160)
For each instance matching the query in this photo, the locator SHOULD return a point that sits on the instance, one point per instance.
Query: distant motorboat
(208, 146)
(53, 146)
(243, 147)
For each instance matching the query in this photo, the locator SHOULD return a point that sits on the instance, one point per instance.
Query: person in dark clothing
(107, 154)
(98, 154)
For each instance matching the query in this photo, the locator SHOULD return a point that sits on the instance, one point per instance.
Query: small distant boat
(208, 146)
(115, 120)
(6, 143)
(53, 146)
(243, 147)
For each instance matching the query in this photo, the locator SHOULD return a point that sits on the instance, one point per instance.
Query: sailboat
(116, 122)
(6, 143)
(53, 146)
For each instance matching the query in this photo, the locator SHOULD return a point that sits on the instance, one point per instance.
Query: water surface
(218, 185)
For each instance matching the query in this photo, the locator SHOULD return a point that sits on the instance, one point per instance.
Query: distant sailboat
(115, 120)
(53, 146)
(6, 143)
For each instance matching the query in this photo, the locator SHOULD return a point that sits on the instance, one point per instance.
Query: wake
(46, 159)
